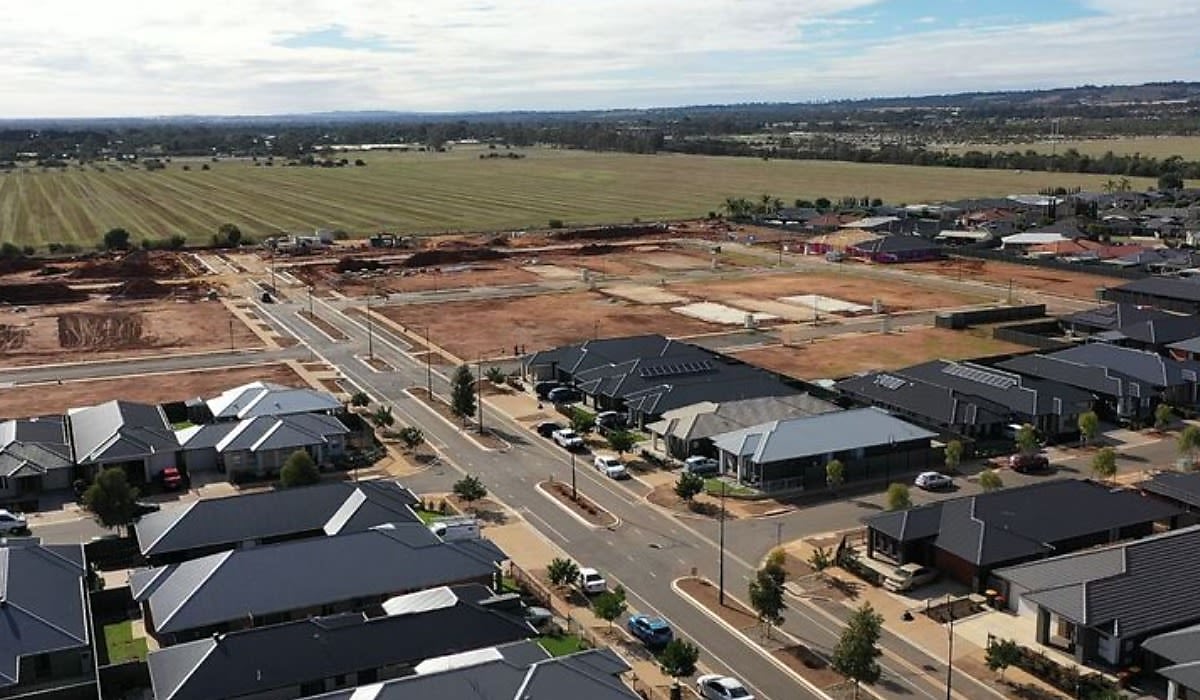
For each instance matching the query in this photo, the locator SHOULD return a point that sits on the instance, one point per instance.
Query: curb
(591, 526)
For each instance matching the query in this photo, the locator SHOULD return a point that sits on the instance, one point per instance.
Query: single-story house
(792, 453)
(260, 445)
(838, 242)
(1024, 241)
(875, 224)
(321, 654)
(517, 671)
(897, 249)
(277, 583)
(209, 525)
(1188, 349)
(1173, 381)
(1166, 293)
(969, 538)
(936, 407)
(1118, 395)
(963, 237)
(1101, 604)
(45, 644)
(1180, 489)
(267, 399)
(688, 431)
(1110, 317)
(1176, 657)
(133, 436)
(35, 456)
(1154, 335)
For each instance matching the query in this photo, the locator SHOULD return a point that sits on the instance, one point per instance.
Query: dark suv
(1029, 464)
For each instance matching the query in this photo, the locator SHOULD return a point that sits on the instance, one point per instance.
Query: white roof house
(1018, 239)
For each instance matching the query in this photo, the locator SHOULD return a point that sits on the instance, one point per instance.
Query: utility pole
(370, 332)
(721, 540)
(479, 389)
(428, 366)
(310, 303)
(950, 651)
(574, 493)
(231, 334)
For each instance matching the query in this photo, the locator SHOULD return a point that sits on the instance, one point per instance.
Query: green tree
(469, 489)
(953, 455)
(299, 470)
(621, 440)
(360, 399)
(1089, 426)
(835, 474)
(383, 417)
(582, 421)
(1170, 181)
(116, 239)
(495, 375)
(230, 235)
(1027, 440)
(857, 652)
(678, 658)
(1189, 441)
(412, 436)
(766, 596)
(688, 485)
(898, 497)
(989, 480)
(1001, 654)
(821, 559)
(610, 605)
(1164, 415)
(110, 499)
(1104, 463)
(562, 572)
(462, 393)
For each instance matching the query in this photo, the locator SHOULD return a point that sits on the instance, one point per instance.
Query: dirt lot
(853, 353)
(1080, 285)
(470, 328)
(44, 399)
(895, 295)
(97, 329)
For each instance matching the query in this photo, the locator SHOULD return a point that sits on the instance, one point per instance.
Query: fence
(1053, 264)
(1032, 335)
(958, 320)
(113, 553)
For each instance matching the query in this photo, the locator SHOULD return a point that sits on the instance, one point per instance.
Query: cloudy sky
(75, 58)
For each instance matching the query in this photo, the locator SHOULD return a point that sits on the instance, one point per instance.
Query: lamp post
(370, 332)
(310, 302)
(428, 366)
(721, 545)
(950, 645)
(231, 334)
(479, 389)
(574, 493)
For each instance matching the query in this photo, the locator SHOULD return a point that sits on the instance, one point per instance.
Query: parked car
(548, 428)
(568, 439)
(611, 467)
(141, 508)
(540, 618)
(12, 522)
(933, 481)
(701, 465)
(715, 687)
(1029, 464)
(908, 577)
(456, 528)
(171, 479)
(612, 420)
(564, 394)
(543, 389)
(591, 582)
(652, 631)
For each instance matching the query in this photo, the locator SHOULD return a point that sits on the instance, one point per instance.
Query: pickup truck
(568, 439)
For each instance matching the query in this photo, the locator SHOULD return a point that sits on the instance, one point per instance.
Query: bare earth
(46, 399)
(854, 353)
(1080, 285)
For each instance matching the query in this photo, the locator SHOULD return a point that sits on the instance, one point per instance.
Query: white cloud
(129, 57)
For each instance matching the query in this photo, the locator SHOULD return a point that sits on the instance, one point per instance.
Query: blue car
(653, 631)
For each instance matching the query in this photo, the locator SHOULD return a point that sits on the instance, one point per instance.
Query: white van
(455, 528)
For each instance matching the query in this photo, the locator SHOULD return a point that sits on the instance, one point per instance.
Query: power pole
(310, 303)
(370, 332)
(721, 541)
(950, 651)
(428, 366)
(574, 493)
(479, 390)
(231, 334)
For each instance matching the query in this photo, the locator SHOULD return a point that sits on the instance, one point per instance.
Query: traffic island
(577, 504)
(701, 505)
(486, 439)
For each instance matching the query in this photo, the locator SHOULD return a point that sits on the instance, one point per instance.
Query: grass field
(121, 644)
(1157, 147)
(428, 192)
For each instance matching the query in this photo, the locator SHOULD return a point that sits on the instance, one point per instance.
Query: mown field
(1157, 147)
(428, 192)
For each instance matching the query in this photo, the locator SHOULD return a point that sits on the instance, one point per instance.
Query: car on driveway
(591, 582)
(716, 687)
(611, 467)
(933, 481)
(701, 466)
(171, 479)
(908, 577)
(543, 389)
(568, 439)
(12, 522)
(564, 394)
(652, 631)
(548, 428)
(1029, 464)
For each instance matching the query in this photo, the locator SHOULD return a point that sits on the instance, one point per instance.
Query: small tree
(470, 489)
(688, 485)
(582, 421)
(898, 497)
(678, 658)
(989, 480)
(1163, 416)
(835, 474)
(953, 455)
(462, 393)
(1027, 441)
(383, 417)
(116, 239)
(610, 605)
(1089, 426)
(495, 375)
(562, 572)
(821, 559)
(230, 235)
(110, 499)
(1189, 441)
(766, 597)
(1104, 463)
(1001, 654)
(412, 436)
(360, 399)
(857, 651)
(621, 440)
(299, 470)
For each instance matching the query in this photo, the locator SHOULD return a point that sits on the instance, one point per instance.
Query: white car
(591, 581)
(933, 481)
(12, 522)
(701, 466)
(568, 439)
(908, 577)
(715, 687)
(611, 467)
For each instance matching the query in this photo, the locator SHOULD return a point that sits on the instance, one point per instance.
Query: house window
(3, 483)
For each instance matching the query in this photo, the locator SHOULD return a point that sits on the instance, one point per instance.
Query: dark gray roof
(587, 675)
(826, 433)
(41, 601)
(1179, 646)
(1137, 588)
(1094, 378)
(33, 446)
(1148, 367)
(1018, 394)
(938, 405)
(896, 244)
(1114, 316)
(280, 656)
(333, 507)
(1183, 487)
(284, 432)
(1166, 287)
(268, 399)
(1189, 345)
(120, 431)
(1021, 523)
(706, 419)
(1161, 331)
(307, 573)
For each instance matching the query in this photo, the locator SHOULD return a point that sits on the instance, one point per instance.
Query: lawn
(712, 486)
(562, 644)
(118, 638)
(432, 192)
(428, 516)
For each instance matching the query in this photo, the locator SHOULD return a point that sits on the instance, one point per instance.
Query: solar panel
(887, 381)
(676, 369)
(979, 376)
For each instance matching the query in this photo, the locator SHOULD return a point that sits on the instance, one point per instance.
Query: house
(1119, 396)
(688, 431)
(1102, 604)
(1026, 240)
(1188, 349)
(1176, 657)
(210, 525)
(520, 671)
(896, 249)
(133, 436)
(964, 237)
(261, 444)
(320, 654)
(1180, 489)
(267, 399)
(1168, 294)
(936, 407)
(1154, 334)
(35, 456)
(1111, 317)
(276, 583)
(1173, 381)
(838, 242)
(45, 645)
(792, 453)
(875, 224)
(969, 538)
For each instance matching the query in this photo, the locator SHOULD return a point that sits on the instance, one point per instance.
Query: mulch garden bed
(702, 505)
(486, 438)
(378, 365)
(330, 330)
(582, 506)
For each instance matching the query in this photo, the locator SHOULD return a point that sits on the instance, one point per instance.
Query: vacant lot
(469, 329)
(427, 192)
(1081, 285)
(46, 399)
(841, 356)
(1157, 147)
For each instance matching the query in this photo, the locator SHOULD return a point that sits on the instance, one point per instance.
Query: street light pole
(950, 650)
(479, 390)
(574, 493)
(721, 559)
(428, 366)
(310, 303)
(231, 334)
(370, 332)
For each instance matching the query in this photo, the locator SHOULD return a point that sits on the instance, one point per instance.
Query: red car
(171, 479)
(1029, 464)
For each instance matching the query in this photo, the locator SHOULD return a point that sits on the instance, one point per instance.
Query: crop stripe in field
(120, 213)
(205, 188)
